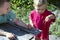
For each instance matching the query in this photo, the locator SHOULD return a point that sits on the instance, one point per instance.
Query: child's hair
(40, 2)
(3, 1)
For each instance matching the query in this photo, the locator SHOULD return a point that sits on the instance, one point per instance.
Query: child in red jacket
(41, 19)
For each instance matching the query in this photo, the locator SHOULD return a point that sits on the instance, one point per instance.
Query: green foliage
(22, 8)
(27, 4)
(54, 2)
(55, 28)
(51, 7)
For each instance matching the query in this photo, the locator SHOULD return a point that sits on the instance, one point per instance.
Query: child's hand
(11, 36)
(29, 26)
(49, 17)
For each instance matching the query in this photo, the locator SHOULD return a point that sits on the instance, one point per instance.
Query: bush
(55, 28)
(22, 8)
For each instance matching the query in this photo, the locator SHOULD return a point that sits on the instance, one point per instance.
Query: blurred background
(22, 9)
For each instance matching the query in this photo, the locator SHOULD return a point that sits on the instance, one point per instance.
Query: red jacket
(39, 23)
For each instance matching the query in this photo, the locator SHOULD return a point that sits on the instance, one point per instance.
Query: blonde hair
(40, 2)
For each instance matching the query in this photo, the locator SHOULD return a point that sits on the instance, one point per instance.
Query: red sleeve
(31, 16)
(53, 20)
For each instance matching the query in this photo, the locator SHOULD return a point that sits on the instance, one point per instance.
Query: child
(5, 15)
(41, 19)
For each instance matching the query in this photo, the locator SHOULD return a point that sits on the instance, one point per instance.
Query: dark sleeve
(12, 15)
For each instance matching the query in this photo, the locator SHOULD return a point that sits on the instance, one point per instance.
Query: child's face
(40, 8)
(5, 8)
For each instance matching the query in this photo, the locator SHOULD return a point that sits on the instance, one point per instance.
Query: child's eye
(7, 8)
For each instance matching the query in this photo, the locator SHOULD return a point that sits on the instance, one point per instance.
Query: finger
(12, 38)
(14, 35)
